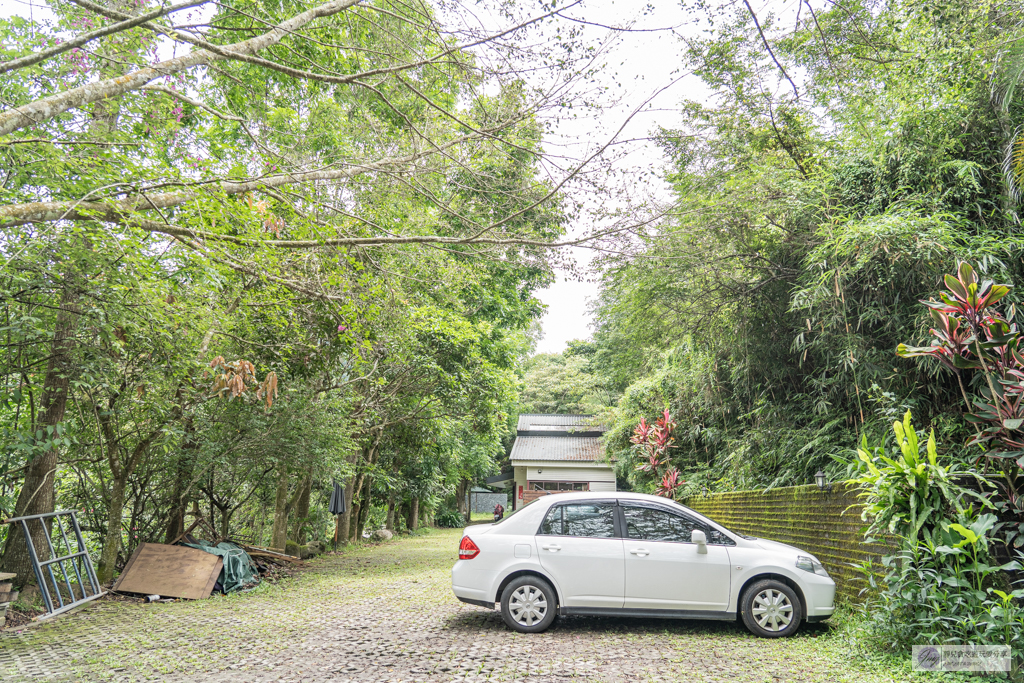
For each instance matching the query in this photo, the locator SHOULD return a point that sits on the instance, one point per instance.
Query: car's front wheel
(528, 604)
(771, 609)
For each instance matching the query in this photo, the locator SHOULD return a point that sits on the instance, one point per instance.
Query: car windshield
(734, 533)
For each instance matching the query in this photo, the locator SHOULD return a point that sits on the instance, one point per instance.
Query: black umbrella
(337, 507)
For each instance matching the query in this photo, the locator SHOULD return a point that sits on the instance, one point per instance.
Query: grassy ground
(386, 613)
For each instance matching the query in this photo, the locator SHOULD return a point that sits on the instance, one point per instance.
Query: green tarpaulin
(238, 566)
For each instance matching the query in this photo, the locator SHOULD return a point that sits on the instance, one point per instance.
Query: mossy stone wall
(827, 524)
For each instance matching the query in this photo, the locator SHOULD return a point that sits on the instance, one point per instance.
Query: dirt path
(387, 614)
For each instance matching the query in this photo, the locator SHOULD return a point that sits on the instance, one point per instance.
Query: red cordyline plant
(652, 441)
(971, 335)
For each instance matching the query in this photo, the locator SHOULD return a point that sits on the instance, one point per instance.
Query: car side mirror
(699, 537)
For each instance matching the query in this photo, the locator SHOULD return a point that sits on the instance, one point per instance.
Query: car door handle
(552, 547)
(642, 552)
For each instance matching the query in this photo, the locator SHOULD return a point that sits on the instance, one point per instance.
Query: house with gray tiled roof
(555, 453)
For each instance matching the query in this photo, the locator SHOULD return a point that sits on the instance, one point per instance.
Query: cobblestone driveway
(387, 614)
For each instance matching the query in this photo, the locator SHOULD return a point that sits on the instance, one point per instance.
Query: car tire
(529, 604)
(771, 609)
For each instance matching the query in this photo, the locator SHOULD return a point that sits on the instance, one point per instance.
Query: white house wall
(599, 477)
(563, 472)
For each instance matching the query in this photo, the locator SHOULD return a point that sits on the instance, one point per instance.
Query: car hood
(776, 547)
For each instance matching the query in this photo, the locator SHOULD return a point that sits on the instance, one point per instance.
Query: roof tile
(576, 448)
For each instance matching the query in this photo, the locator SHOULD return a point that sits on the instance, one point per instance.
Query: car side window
(652, 524)
(552, 524)
(590, 520)
(716, 537)
(594, 520)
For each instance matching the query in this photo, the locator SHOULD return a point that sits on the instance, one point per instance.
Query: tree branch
(769, 48)
(44, 212)
(49, 107)
(129, 22)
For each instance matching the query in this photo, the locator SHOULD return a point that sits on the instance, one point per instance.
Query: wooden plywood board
(171, 571)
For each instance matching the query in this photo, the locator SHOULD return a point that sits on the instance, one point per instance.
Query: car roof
(555, 498)
(562, 496)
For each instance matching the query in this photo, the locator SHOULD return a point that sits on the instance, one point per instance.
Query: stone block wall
(485, 502)
(826, 524)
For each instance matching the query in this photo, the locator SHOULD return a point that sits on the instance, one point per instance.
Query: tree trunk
(112, 541)
(402, 513)
(365, 505)
(258, 523)
(355, 509)
(461, 495)
(279, 536)
(389, 524)
(346, 516)
(186, 458)
(225, 522)
(354, 512)
(37, 494)
(179, 505)
(302, 509)
(414, 514)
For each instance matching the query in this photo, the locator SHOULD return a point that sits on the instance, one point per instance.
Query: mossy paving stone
(386, 613)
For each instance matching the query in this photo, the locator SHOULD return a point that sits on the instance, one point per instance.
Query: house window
(559, 486)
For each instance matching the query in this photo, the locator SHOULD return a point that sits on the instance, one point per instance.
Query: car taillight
(468, 549)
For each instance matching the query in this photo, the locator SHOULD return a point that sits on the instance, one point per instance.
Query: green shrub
(945, 594)
(377, 518)
(938, 587)
(449, 519)
(908, 493)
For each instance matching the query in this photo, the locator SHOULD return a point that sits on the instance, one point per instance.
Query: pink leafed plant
(652, 442)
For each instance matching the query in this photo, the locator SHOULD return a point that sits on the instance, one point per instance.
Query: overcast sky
(643, 61)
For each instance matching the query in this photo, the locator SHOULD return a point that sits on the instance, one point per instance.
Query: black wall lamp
(822, 481)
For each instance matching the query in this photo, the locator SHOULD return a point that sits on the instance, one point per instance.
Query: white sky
(641, 62)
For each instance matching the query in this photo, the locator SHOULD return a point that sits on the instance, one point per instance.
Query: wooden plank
(127, 568)
(268, 552)
(211, 582)
(274, 556)
(5, 576)
(172, 571)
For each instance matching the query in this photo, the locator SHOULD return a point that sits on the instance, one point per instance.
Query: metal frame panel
(77, 556)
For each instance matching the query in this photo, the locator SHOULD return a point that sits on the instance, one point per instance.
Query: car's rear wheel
(771, 609)
(528, 604)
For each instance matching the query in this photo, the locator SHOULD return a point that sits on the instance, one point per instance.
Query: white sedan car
(629, 554)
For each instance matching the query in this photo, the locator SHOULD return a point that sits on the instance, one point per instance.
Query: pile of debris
(7, 595)
(193, 568)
